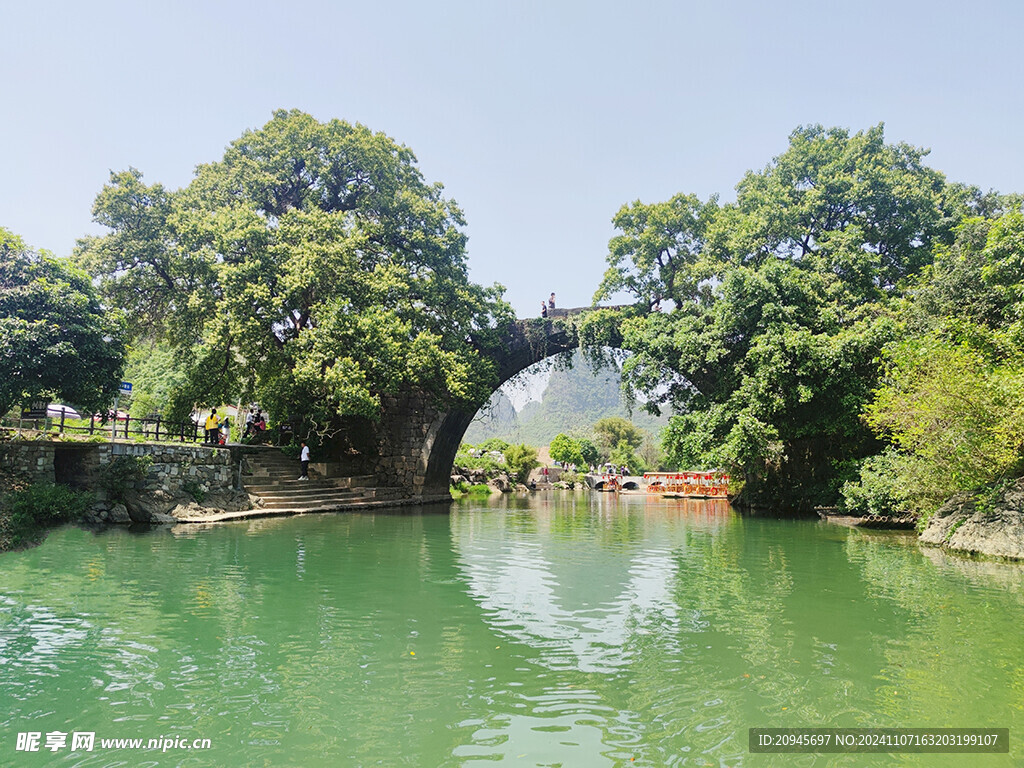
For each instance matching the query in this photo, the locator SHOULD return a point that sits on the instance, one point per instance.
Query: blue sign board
(126, 386)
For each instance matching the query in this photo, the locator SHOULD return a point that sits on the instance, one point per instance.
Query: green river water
(556, 630)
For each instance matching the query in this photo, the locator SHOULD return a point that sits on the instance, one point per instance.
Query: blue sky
(540, 118)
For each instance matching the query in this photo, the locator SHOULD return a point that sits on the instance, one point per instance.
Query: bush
(122, 473)
(520, 459)
(486, 462)
(881, 488)
(572, 479)
(195, 490)
(40, 506)
(493, 444)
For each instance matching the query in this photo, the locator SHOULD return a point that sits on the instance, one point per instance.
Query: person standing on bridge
(551, 301)
(543, 308)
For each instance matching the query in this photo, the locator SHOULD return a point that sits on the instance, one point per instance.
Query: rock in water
(996, 529)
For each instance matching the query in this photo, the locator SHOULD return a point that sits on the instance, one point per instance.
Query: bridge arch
(528, 342)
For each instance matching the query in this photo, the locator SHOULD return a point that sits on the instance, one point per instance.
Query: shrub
(122, 473)
(39, 506)
(493, 444)
(520, 459)
(195, 490)
(572, 479)
(881, 488)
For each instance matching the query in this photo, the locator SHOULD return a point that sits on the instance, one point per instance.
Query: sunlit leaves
(316, 260)
(780, 303)
(56, 339)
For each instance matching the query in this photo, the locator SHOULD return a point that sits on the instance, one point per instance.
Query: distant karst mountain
(574, 399)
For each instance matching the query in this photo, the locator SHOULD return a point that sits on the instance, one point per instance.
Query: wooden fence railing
(123, 427)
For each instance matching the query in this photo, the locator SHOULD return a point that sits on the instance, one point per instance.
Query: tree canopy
(950, 404)
(775, 308)
(57, 339)
(312, 268)
(572, 450)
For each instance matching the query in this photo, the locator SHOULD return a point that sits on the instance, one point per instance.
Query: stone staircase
(274, 480)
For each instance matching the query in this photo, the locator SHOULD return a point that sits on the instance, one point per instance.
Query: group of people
(255, 423)
(547, 306)
(218, 430)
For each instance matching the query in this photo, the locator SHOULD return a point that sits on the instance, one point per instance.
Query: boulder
(163, 519)
(997, 529)
(118, 514)
(98, 513)
(143, 505)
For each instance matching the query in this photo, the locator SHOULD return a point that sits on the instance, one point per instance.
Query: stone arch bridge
(417, 440)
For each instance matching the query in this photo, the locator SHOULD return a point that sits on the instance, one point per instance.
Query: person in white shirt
(304, 458)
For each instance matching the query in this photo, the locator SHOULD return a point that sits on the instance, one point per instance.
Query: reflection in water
(575, 630)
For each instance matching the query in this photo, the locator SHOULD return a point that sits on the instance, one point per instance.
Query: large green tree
(312, 268)
(775, 307)
(951, 402)
(57, 341)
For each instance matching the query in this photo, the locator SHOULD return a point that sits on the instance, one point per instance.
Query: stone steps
(264, 485)
(283, 494)
(317, 501)
(274, 479)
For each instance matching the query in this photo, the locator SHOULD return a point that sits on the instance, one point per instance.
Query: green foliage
(625, 455)
(572, 479)
(465, 458)
(614, 431)
(620, 442)
(40, 506)
(570, 450)
(564, 449)
(494, 444)
(956, 414)
(292, 450)
(881, 487)
(312, 268)
(588, 451)
(156, 371)
(122, 474)
(465, 489)
(776, 308)
(951, 402)
(57, 340)
(195, 490)
(520, 460)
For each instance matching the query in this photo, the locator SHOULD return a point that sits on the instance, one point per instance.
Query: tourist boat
(688, 485)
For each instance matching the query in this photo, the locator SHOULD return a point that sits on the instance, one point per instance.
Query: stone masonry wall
(212, 469)
(30, 461)
(403, 445)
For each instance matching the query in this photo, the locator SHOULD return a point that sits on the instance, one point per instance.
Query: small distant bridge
(598, 481)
